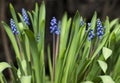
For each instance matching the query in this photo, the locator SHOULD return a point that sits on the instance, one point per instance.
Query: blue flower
(99, 29)
(54, 27)
(25, 16)
(13, 26)
(88, 26)
(91, 35)
(81, 22)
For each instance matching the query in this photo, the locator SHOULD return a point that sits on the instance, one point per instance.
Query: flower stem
(18, 42)
(57, 47)
(54, 58)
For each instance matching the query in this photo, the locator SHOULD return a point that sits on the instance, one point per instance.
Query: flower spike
(13, 26)
(25, 16)
(99, 29)
(54, 27)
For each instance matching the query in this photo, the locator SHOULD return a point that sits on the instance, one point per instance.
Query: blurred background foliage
(55, 8)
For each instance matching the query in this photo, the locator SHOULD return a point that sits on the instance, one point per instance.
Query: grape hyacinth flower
(99, 29)
(81, 22)
(91, 35)
(25, 16)
(13, 26)
(88, 26)
(54, 27)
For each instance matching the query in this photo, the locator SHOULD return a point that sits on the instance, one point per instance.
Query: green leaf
(15, 74)
(100, 46)
(93, 71)
(103, 65)
(25, 79)
(13, 40)
(106, 79)
(41, 26)
(42, 13)
(2, 78)
(3, 66)
(106, 52)
(116, 72)
(76, 21)
(93, 21)
(107, 26)
(49, 61)
(113, 22)
(31, 18)
(35, 22)
(87, 82)
(12, 10)
(34, 52)
(24, 66)
(62, 36)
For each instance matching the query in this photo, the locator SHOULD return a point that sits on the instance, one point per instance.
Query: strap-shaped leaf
(13, 40)
(93, 21)
(3, 66)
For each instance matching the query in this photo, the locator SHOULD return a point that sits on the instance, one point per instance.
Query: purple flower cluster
(91, 35)
(13, 26)
(54, 26)
(99, 29)
(25, 16)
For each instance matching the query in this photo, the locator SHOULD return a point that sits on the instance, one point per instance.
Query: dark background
(55, 8)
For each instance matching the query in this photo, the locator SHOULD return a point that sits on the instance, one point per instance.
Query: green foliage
(4, 65)
(78, 60)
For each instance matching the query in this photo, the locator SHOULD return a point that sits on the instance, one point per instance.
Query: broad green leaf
(106, 79)
(103, 65)
(106, 52)
(3, 66)
(25, 79)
